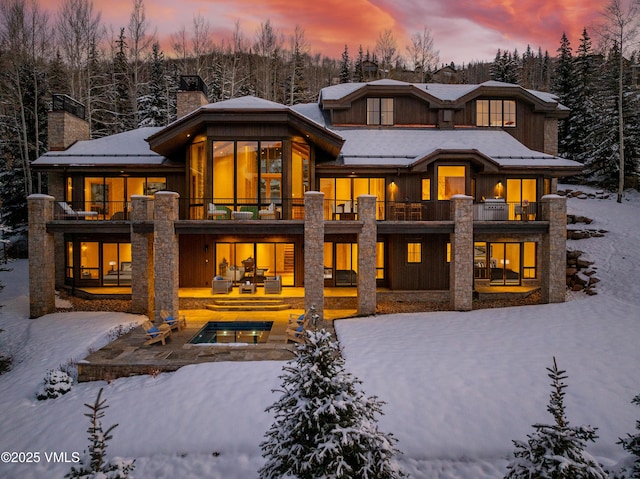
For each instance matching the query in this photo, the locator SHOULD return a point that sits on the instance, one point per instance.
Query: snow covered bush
(631, 444)
(94, 464)
(324, 425)
(56, 383)
(556, 451)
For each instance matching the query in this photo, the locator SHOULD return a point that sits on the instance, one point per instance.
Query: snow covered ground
(458, 387)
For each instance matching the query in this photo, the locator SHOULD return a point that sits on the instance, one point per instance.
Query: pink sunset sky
(463, 30)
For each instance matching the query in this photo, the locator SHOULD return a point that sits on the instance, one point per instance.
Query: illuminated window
(379, 260)
(426, 189)
(529, 260)
(496, 113)
(451, 181)
(341, 194)
(379, 111)
(414, 252)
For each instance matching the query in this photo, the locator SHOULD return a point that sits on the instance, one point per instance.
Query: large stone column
(314, 251)
(461, 267)
(42, 293)
(142, 288)
(165, 253)
(367, 255)
(554, 249)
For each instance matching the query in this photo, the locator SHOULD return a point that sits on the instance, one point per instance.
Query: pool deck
(128, 355)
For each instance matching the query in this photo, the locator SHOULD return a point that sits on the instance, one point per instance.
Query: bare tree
(422, 54)
(25, 36)
(268, 46)
(299, 48)
(140, 42)
(78, 26)
(386, 49)
(620, 27)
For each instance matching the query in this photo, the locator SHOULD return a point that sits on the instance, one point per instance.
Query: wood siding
(431, 274)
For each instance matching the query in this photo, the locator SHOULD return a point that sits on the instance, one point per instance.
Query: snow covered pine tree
(631, 444)
(556, 451)
(324, 426)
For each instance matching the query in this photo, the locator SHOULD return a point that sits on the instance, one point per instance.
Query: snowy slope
(458, 386)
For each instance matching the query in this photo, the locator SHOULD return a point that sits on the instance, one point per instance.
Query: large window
(379, 111)
(451, 181)
(341, 194)
(247, 173)
(496, 113)
(241, 262)
(110, 197)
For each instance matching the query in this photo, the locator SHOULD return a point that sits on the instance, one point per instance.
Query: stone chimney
(67, 123)
(191, 95)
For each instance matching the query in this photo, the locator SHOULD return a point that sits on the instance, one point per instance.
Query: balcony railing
(93, 210)
(293, 209)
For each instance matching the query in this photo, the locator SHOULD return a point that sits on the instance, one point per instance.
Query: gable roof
(443, 95)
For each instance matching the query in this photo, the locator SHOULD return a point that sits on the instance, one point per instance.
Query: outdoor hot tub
(229, 332)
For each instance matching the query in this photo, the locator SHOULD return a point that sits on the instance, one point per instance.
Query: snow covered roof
(128, 148)
(440, 91)
(405, 147)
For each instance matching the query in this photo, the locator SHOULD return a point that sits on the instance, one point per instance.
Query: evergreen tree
(153, 105)
(95, 464)
(358, 72)
(564, 85)
(345, 67)
(123, 108)
(324, 425)
(631, 444)
(556, 451)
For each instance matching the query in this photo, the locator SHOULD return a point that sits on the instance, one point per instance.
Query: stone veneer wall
(551, 136)
(142, 261)
(188, 101)
(65, 129)
(165, 253)
(314, 251)
(554, 249)
(461, 266)
(367, 255)
(42, 298)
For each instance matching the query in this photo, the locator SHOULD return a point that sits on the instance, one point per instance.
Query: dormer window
(379, 111)
(496, 113)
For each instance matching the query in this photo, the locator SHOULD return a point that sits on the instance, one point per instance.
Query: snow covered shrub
(631, 444)
(56, 383)
(324, 425)
(94, 464)
(556, 451)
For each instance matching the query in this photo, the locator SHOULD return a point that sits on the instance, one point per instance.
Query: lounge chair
(174, 322)
(296, 328)
(71, 213)
(156, 333)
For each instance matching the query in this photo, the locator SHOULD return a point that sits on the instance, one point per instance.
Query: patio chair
(219, 285)
(215, 213)
(70, 212)
(173, 322)
(296, 330)
(273, 285)
(155, 334)
(268, 213)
